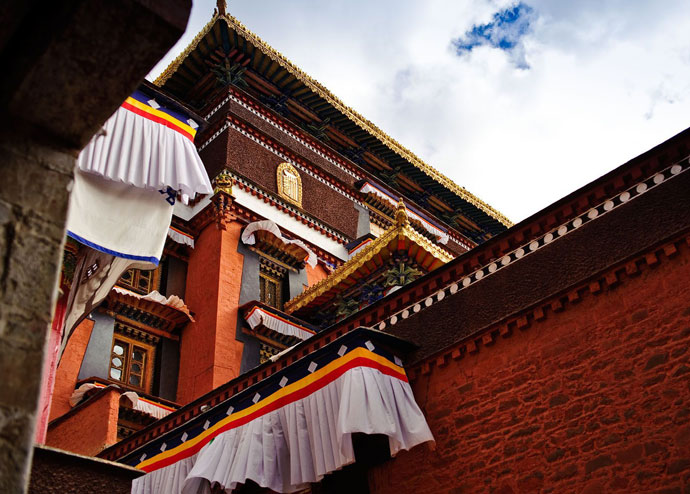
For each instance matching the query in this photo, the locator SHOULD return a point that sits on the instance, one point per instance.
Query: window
(271, 292)
(272, 277)
(143, 282)
(289, 183)
(131, 363)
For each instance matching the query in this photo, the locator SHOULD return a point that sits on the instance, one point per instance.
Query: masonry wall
(56, 471)
(260, 166)
(594, 398)
(89, 428)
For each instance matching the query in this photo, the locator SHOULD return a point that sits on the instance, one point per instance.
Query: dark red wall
(260, 165)
(594, 399)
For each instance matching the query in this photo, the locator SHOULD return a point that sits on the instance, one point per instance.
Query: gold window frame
(289, 183)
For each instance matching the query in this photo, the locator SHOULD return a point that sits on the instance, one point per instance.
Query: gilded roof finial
(222, 7)
(401, 217)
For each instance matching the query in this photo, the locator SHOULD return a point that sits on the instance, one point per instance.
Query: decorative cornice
(602, 283)
(350, 113)
(534, 245)
(222, 210)
(175, 64)
(288, 130)
(401, 228)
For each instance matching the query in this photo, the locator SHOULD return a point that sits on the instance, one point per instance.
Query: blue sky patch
(505, 32)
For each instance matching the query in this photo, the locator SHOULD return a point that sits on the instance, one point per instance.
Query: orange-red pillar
(210, 354)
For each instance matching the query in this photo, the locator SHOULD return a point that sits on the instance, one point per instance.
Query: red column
(210, 355)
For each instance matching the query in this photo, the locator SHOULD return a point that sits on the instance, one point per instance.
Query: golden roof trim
(365, 255)
(175, 64)
(353, 115)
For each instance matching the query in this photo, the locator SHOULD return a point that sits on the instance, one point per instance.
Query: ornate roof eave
(172, 317)
(402, 228)
(350, 113)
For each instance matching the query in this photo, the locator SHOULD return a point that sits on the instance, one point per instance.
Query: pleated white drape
(259, 316)
(289, 448)
(269, 226)
(163, 157)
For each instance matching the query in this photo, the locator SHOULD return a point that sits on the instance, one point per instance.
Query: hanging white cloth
(248, 238)
(279, 325)
(155, 410)
(297, 444)
(118, 219)
(147, 146)
(180, 237)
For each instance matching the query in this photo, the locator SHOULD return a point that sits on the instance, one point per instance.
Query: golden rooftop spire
(222, 6)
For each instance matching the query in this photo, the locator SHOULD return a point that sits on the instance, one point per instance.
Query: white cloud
(607, 81)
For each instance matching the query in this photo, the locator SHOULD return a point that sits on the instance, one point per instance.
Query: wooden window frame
(264, 279)
(148, 363)
(136, 276)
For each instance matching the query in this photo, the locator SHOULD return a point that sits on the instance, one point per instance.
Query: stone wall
(64, 74)
(56, 471)
(591, 398)
(34, 181)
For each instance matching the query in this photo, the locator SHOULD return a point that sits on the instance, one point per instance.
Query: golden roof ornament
(222, 6)
(401, 217)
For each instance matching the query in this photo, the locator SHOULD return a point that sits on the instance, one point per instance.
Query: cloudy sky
(519, 102)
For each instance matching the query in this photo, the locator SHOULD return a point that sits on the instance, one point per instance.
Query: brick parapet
(90, 427)
(331, 167)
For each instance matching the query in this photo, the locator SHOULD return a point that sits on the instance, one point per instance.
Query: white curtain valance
(156, 410)
(288, 448)
(181, 237)
(272, 321)
(248, 238)
(291, 428)
(147, 146)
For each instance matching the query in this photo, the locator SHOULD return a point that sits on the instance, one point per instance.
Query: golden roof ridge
(351, 265)
(352, 114)
(175, 64)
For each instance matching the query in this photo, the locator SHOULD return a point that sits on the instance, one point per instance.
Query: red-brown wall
(315, 274)
(593, 399)
(90, 428)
